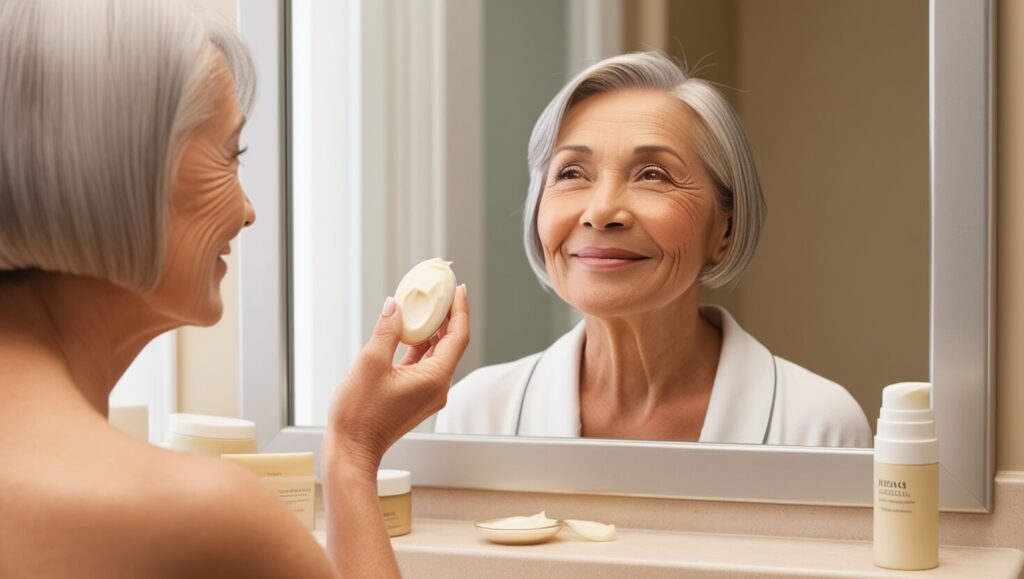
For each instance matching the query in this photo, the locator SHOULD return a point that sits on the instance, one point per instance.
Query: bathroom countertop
(451, 549)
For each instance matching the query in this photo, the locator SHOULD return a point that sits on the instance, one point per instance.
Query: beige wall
(209, 357)
(696, 32)
(834, 96)
(1010, 244)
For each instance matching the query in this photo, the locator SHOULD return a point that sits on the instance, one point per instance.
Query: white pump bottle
(906, 509)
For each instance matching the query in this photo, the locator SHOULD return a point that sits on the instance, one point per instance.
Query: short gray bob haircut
(97, 99)
(720, 141)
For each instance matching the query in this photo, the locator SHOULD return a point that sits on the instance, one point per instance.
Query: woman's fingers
(426, 349)
(441, 332)
(433, 348)
(444, 328)
(384, 341)
(414, 354)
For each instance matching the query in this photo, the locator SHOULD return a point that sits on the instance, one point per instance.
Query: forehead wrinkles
(621, 125)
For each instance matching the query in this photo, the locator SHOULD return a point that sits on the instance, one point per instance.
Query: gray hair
(97, 100)
(720, 141)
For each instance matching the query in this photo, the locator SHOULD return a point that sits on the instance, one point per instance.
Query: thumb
(384, 340)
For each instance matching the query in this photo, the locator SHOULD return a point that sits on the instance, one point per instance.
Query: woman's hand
(376, 404)
(379, 401)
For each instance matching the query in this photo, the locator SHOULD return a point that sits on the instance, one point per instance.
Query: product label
(895, 496)
(906, 516)
(397, 512)
(297, 493)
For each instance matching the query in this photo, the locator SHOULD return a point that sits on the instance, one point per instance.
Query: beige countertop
(452, 549)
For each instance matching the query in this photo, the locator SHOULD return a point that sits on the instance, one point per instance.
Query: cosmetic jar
(289, 475)
(394, 489)
(212, 435)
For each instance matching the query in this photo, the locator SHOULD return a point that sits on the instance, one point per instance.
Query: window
(385, 169)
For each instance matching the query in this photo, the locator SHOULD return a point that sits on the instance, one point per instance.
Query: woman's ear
(721, 237)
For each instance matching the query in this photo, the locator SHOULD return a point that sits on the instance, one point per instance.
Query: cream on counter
(592, 530)
(531, 530)
(425, 296)
(539, 528)
(538, 521)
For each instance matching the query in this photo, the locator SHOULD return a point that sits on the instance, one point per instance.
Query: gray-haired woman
(643, 189)
(119, 193)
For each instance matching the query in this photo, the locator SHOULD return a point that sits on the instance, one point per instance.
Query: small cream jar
(211, 435)
(394, 489)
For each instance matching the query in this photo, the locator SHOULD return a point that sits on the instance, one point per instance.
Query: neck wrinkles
(647, 358)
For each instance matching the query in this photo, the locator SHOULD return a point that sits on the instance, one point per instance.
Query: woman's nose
(606, 209)
(250, 212)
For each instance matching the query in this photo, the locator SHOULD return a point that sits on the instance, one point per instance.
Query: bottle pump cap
(906, 426)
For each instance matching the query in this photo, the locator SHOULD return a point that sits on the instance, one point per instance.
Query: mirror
(393, 180)
(834, 100)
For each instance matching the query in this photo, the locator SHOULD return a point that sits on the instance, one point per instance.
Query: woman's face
(208, 209)
(628, 217)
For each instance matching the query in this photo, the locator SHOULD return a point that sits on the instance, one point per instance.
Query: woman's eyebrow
(658, 149)
(577, 148)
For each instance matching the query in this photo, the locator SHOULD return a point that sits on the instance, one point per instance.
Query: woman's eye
(568, 173)
(652, 174)
(241, 151)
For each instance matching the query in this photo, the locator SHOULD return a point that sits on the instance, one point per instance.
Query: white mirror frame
(962, 303)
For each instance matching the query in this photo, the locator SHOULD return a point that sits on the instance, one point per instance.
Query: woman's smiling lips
(607, 257)
(221, 263)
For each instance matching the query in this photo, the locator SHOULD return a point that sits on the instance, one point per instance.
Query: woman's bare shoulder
(226, 524)
(109, 506)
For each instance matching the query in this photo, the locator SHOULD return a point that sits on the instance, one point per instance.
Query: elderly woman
(119, 194)
(642, 190)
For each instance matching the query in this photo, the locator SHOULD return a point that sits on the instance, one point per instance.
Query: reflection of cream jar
(212, 435)
(394, 489)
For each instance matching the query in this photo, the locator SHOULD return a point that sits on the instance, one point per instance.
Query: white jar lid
(393, 482)
(212, 426)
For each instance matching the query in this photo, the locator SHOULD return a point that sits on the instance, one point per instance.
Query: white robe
(756, 398)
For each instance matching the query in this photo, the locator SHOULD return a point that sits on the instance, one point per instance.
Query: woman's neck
(73, 333)
(646, 359)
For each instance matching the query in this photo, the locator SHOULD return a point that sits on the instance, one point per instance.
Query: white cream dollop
(592, 530)
(425, 296)
(538, 521)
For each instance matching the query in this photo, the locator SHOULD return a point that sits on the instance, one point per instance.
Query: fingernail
(465, 292)
(389, 307)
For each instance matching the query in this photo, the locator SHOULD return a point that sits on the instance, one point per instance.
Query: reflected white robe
(756, 398)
